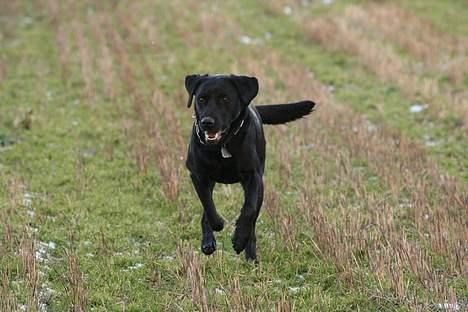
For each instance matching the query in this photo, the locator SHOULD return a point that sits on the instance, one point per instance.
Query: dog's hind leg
(204, 188)
(251, 247)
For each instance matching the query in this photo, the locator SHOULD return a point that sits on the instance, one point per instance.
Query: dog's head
(219, 100)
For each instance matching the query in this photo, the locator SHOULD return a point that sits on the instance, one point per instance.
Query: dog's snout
(207, 123)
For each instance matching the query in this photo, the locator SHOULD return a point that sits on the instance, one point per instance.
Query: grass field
(366, 204)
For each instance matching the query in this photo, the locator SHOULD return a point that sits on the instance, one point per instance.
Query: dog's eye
(224, 100)
(201, 100)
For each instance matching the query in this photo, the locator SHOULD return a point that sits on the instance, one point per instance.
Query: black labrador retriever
(228, 146)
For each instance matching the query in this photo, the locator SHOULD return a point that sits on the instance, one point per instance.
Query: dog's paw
(251, 259)
(217, 224)
(240, 239)
(251, 252)
(208, 246)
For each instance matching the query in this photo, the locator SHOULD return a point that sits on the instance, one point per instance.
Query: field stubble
(365, 198)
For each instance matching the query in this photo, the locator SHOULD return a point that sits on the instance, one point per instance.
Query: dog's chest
(225, 170)
(218, 168)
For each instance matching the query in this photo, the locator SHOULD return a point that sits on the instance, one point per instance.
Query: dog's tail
(283, 113)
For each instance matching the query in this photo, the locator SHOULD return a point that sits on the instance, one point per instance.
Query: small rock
(417, 108)
(246, 40)
(136, 266)
(449, 306)
(88, 152)
(168, 258)
(429, 141)
(295, 290)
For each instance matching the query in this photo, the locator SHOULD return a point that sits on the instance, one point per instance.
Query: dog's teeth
(214, 137)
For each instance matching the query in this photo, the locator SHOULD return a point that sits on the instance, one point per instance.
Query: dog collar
(224, 151)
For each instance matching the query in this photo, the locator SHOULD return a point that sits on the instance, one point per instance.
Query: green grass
(89, 198)
(451, 18)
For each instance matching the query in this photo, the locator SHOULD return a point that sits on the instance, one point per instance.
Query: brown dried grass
(407, 169)
(10, 10)
(86, 59)
(105, 59)
(76, 285)
(10, 245)
(438, 50)
(62, 36)
(284, 222)
(8, 301)
(145, 131)
(193, 272)
(239, 300)
(3, 71)
(284, 304)
(29, 266)
(341, 33)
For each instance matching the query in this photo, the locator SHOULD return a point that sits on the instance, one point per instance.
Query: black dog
(228, 146)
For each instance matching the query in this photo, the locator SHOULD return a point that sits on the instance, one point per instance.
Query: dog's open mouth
(214, 136)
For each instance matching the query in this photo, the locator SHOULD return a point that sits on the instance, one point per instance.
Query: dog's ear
(191, 84)
(246, 86)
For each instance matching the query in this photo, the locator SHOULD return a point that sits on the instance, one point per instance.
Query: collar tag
(225, 153)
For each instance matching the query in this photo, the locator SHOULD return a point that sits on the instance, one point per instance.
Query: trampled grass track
(97, 211)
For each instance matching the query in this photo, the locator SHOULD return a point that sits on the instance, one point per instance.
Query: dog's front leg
(252, 184)
(210, 219)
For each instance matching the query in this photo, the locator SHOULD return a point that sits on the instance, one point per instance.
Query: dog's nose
(207, 123)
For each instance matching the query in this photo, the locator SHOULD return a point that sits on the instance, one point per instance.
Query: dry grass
(344, 33)
(146, 137)
(19, 245)
(3, 70)
(406, 170)
(62, 36)
(284, 222)
(439, 51)
(105, 59)
(75, 283)
(10, 9)
(8, 301)
(283, 305)
(86, 59)
(406, 167)
(239, 300)
(29, 266)
(192, 270)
